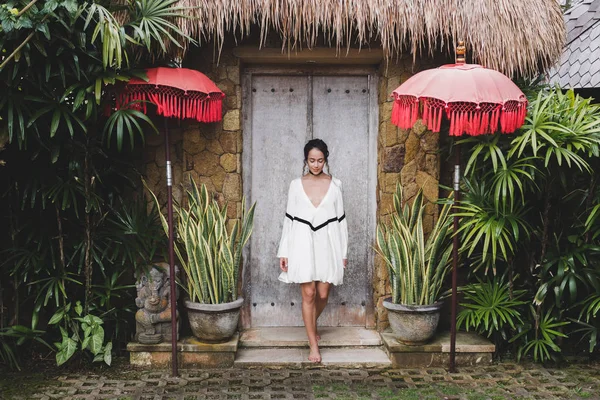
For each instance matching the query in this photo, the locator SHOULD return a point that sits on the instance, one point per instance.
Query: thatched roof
(513, 36)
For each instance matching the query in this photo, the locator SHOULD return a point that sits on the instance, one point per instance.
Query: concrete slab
(298, 357)
(466, 342)
(471, 350)
(188, 344)
(191, 354)
(438, 360)
(296, 337)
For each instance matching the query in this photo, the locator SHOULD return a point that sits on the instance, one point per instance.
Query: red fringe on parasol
(173, 103)
(464, 117)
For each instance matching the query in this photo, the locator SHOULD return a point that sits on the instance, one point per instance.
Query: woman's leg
(309, 315)
(322, 296)
(321, 301)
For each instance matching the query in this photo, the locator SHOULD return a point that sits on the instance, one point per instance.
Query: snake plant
(416, 265)
(209, 254)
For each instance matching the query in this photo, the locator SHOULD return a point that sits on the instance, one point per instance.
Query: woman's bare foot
(314, 355)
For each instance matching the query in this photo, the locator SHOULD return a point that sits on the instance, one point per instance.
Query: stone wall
(409, 157)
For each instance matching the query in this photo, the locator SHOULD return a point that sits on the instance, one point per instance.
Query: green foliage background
(530, 230)
(76, 231)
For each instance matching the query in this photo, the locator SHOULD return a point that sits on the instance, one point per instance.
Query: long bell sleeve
(341, 215)
(283, 250)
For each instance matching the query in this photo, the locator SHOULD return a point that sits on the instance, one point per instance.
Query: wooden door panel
(340, 118)
(279, 131)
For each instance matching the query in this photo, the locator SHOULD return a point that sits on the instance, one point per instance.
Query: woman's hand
(345, 262)
(283, 264)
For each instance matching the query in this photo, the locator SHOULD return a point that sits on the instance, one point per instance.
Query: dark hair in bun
(316, 144)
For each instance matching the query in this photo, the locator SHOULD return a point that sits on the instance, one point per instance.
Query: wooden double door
(281, 113)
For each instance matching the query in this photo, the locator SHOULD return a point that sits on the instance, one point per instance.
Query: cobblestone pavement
(500, 381)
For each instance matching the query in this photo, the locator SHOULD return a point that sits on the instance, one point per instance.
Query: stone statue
(153, 319)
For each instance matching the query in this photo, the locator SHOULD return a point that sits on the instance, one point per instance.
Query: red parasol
(178, 93)
(477, 101)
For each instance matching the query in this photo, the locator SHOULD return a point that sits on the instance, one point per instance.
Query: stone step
(373, 357)
(471, 350)
(295, 337)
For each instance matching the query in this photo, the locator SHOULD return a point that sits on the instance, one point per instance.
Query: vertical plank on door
(278, 133)
(341, 119)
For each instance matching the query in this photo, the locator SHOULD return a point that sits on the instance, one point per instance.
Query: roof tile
(585, 67)
(584, 37)
(577, 11)
(585, 55)
(574, 33)
(584, 19)
(594, 69)
(594, 33)
(574, 58)
(585, 79)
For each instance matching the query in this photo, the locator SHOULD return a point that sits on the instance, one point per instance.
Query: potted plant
(417, 267)
(210, 257)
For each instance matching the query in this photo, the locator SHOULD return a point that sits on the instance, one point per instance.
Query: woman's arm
(282, 251)
(341, 215)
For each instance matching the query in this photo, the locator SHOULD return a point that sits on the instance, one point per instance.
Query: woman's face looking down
(316, 161)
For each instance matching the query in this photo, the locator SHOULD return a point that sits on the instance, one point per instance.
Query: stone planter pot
(413, 325)
(214, 322)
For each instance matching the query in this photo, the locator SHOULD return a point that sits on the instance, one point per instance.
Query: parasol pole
(455, 244)
(171, 253)
(460, 59)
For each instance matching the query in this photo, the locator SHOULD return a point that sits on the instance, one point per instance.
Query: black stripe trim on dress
(324, 224)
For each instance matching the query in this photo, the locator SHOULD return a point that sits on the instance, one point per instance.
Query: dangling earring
(304, 169)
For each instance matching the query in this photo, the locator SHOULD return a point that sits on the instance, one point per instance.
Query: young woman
(314, 242)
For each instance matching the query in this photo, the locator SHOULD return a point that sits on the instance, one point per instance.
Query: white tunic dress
(314, 239)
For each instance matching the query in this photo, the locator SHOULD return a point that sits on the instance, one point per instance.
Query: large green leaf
(68, 348)
(97, 339)
(108, 353)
